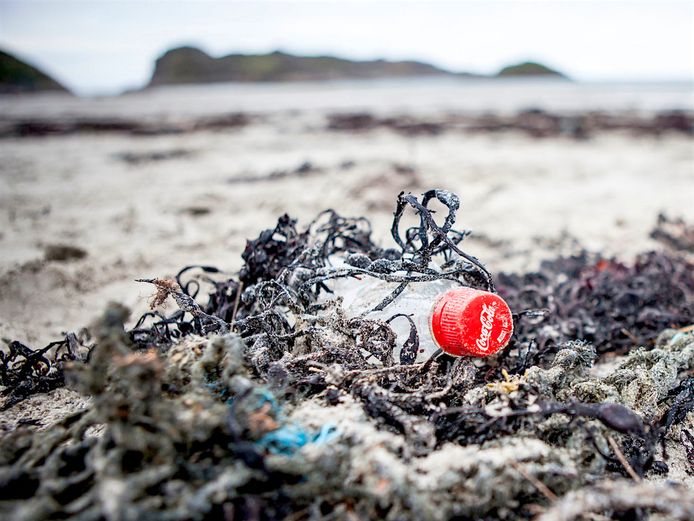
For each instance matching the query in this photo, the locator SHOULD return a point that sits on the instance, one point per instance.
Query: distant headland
(17, 76)
(186, 65)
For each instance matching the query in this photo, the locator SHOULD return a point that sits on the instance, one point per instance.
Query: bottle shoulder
(365, 293)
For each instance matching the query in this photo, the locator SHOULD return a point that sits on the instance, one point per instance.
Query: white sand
(132, 220)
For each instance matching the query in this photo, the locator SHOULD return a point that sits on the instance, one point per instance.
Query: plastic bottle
(459, 320)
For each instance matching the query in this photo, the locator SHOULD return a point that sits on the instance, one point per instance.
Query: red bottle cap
(470, 322)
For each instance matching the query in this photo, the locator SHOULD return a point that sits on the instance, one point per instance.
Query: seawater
(410, 96)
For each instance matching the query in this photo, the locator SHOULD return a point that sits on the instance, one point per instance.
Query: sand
(520, 196)
(524, 199)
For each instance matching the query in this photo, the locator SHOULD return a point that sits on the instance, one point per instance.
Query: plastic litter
(441, 314)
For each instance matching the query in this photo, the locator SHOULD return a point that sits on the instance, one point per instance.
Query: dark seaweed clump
(187, 415)
(608, 303)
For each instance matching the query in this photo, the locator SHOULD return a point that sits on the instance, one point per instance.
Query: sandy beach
(149, 205)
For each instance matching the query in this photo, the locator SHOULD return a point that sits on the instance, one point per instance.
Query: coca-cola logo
(487, 320)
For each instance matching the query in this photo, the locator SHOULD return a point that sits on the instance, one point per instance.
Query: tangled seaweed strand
(25, 371)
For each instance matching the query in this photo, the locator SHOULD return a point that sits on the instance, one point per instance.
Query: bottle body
(461, 321)
(417, 301)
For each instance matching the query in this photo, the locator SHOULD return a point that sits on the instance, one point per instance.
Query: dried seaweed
(682, 403)
(68, 125)
(260, 399)
(675, 233)
(589, 297)
(140, 158)
(25, 371)
(305, 169)
(626, 497)
(536, 123)
(63, 253)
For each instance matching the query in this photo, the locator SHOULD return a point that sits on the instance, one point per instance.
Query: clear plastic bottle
(459, 320)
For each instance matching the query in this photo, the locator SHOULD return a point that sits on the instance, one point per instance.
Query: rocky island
(192, 65)
(529, 69)
(187, 65)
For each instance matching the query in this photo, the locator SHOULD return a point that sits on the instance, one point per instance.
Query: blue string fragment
(289, 438)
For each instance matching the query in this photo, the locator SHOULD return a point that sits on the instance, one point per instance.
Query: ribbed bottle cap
(470, 322)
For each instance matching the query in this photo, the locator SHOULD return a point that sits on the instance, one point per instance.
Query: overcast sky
(105, 46)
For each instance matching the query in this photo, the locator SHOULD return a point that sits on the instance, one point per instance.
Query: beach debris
(674, 233)
(25, 371)
(466, 306)
(303, 170)
(63, 253)
(534, 122)
(674, 501)
(607, 302)
(429, 317)
(257, 399)
(139, 158)
(191, 433)
(364, 121)
(66, 125)
(196, 211)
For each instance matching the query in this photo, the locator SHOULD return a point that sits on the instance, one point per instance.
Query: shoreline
(533, 122)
